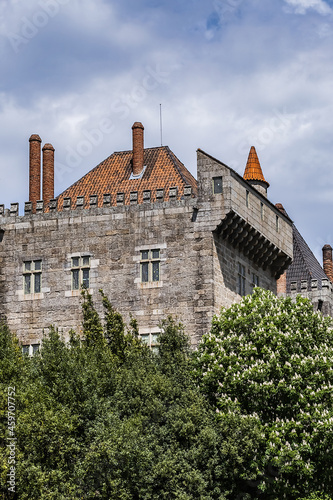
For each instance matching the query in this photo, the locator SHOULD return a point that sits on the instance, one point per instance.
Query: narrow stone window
(247, 198)
(80, 268)
(255, 280)
(150, 265)
(32, 276)
(241, 279)
(277, 223)
(262, 210)
(217, 185)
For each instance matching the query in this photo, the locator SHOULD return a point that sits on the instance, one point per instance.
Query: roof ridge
(174, 160)
(314, 268)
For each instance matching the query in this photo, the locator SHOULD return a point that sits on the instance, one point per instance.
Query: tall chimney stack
(34, 169)
(327, 261)
(48, 173)
(137, 148)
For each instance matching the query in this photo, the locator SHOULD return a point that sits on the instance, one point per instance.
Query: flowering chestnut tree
(271, 360)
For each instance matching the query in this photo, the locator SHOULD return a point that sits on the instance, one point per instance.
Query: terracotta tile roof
(163, 170)
(253, 170)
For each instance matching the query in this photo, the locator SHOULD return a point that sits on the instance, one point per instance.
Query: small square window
(217, 185)
(27, 266)
(155, 254)
(75, 261)
(25, 349)
(35, 348)
(85, 261)
(144, 255)
(38, 265)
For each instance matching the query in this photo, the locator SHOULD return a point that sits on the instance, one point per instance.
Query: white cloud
(302, 6)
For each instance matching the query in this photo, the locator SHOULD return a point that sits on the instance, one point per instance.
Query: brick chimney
(34, 169)
(137, 148)
(48, 173)
(327, 261)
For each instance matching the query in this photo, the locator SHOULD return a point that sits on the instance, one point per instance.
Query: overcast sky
(228, 73)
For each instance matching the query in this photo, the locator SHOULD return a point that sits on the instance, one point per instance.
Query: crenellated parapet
(319, 292)
(92, 201)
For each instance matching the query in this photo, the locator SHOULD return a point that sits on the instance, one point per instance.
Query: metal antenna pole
(161, 123)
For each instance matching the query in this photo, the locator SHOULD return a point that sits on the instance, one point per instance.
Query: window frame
(151, 264)
(151, 340)
(32, 276)
(215, 183)
(79, 270)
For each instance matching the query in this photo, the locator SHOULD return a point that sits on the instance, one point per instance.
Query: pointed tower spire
(253, 173)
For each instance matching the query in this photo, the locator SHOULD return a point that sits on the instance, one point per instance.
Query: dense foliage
(271, 360)
(248, 415)
(104, 417)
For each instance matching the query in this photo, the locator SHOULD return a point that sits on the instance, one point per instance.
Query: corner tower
(253, 173)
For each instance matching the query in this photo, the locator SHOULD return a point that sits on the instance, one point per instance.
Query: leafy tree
(112, 420)
(92, 326)
(271, 360)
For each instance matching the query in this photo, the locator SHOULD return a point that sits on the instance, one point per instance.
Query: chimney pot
(34, 169)
(327, 261)
(48, 173)
(138, 148)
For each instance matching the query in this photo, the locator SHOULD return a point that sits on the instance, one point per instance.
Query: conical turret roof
(253, 170)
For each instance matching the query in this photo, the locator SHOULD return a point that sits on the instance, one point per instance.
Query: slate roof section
(163, 171)
(304, 266)
(253, 170)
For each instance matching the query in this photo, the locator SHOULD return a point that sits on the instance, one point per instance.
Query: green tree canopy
(271, 360)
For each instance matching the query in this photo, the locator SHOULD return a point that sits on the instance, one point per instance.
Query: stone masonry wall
(113, 237)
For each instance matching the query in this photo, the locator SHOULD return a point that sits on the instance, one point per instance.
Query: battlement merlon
(89, 202)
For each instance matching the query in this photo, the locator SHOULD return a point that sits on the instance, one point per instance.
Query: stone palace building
(154, 238)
